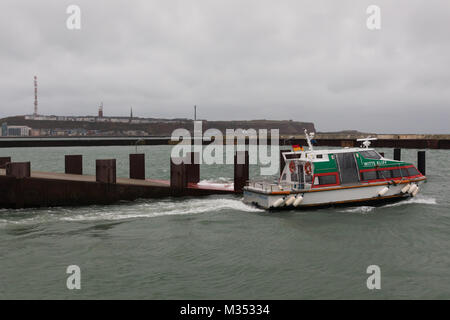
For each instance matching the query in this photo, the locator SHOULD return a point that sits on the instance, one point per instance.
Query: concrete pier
(417, 141)
(45, 189)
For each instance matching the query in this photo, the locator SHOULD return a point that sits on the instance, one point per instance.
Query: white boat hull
(327, 196)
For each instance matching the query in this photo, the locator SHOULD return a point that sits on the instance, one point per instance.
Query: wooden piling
(105, 171)
(4, 161)
(193, 168)
(241, 170)
(282, 162)
(178, 176)
(421, 163)
(137, 166)
(18, 170)
(397, 154)
(74, 164)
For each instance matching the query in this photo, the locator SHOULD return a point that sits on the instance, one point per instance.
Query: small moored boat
(346, 176)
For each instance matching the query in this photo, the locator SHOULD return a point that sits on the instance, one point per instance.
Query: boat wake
(415, 200)
(133, 210)
(362, 209)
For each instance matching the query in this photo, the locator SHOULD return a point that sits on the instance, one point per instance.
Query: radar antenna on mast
(309, 137)
(366, 141)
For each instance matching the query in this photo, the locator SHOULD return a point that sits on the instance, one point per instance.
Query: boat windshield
(370, 154)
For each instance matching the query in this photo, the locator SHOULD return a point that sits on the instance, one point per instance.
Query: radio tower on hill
(35, 97)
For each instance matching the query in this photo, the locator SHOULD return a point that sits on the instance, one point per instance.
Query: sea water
(216, 247)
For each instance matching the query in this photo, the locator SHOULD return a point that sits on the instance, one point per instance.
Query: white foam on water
(143, 209)
(166, 208)
(413, 200)
(362, 209)
(220, 182)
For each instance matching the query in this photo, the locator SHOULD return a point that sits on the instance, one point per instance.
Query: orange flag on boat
(296, 147)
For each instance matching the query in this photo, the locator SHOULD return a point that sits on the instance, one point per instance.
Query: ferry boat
(345, 176)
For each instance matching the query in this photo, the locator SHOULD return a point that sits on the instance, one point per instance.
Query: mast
(35, 97)
(308, 139)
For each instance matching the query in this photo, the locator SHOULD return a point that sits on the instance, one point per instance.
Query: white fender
(278, 203)
(406, 188)
(383, 191)
(298, 200)
(290, 201)
(412, 188)
(415, 192)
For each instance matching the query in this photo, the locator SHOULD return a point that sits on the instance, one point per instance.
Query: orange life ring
(308, 168)
(292, 166)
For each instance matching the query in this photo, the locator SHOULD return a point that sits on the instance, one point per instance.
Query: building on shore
(4, 129)
(15, 131)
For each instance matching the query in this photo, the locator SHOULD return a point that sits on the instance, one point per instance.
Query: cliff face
(163, 127)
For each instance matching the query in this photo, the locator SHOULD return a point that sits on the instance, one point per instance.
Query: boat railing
(267, 186)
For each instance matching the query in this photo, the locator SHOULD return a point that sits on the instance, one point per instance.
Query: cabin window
(319, 156)
(329, 179)
(308, 178)
(294, 177)
(369, 175)
(413, 171)
(384, 174)
(387, 174)
(370, 154)
(396, 173)
(283, 177)
(405, 172)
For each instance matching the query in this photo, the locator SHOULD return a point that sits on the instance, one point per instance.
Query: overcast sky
(302, 60)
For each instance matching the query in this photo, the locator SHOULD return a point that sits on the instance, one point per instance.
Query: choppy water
(217, 247)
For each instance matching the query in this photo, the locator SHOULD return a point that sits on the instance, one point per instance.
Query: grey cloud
(301, 60)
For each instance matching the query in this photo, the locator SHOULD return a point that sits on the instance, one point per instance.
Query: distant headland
(60, 126)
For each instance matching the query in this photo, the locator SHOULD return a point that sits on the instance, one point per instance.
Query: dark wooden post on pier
(137, 166)
(193, 168)
(421, 163)
(397, 154)
(178, 175)
(4, 161)
(18, 170)
(74, 164)
(241, 170)
(282, 162)
(105, 171)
